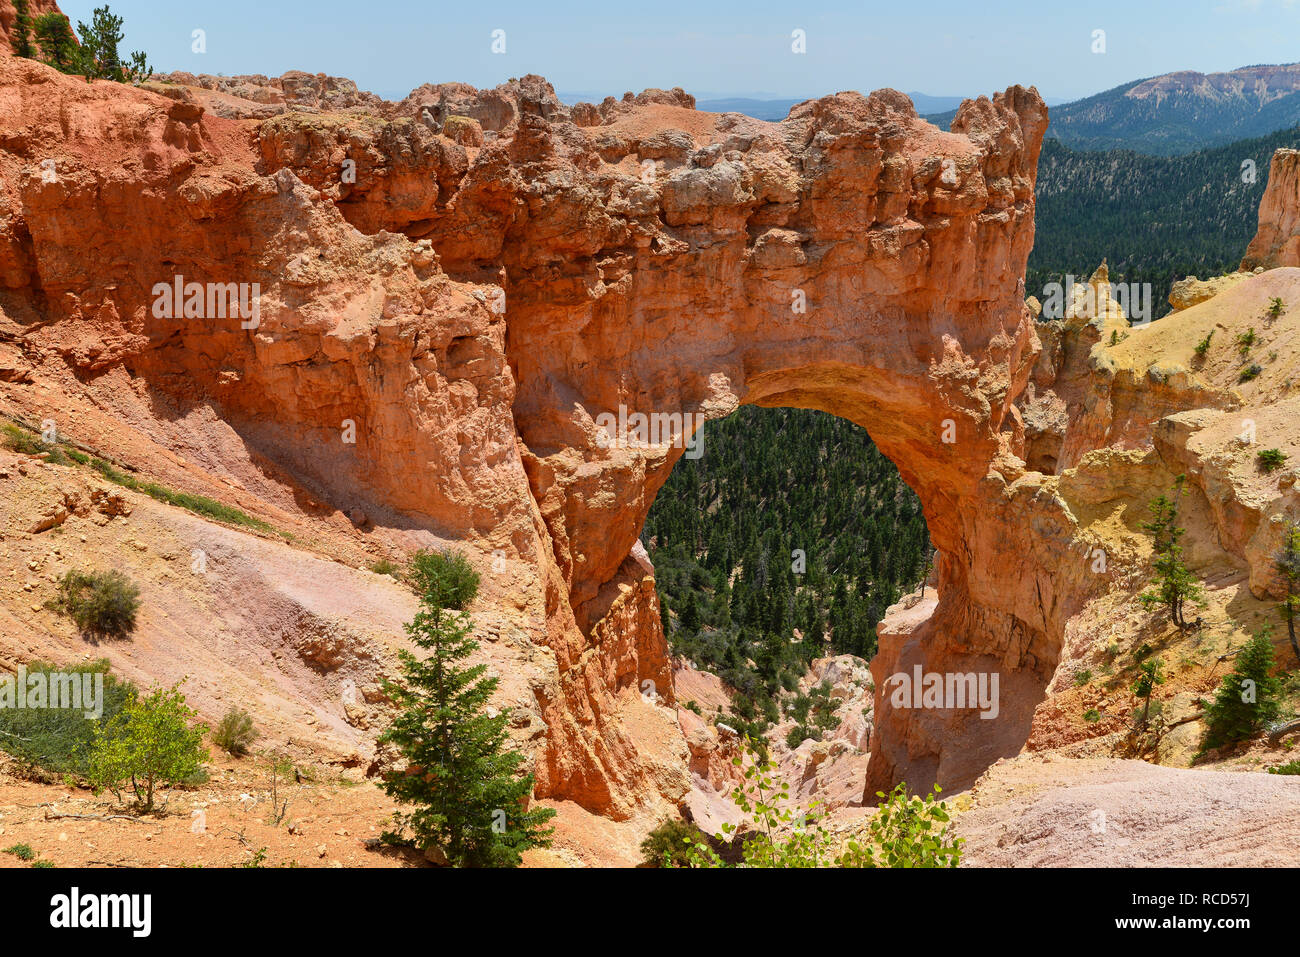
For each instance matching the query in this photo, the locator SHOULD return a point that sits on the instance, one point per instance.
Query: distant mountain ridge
(1185, 111)
(1178, 113)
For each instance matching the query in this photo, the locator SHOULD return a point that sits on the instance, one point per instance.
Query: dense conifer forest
(785, 541)
(1155, 219)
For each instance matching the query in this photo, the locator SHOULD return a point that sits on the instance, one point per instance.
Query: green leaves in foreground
(906, 831)
(148, 743)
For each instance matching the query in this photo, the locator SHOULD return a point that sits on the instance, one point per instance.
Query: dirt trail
(1100, 812)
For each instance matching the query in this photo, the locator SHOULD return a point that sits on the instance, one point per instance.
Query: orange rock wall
(473, 310)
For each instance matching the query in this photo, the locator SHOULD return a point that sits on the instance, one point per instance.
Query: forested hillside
(1155, 219)
(785, 541)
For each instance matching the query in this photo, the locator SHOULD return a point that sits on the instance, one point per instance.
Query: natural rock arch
(651, 256)
(854, 260)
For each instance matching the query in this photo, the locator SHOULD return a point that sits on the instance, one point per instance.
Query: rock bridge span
(475, 297)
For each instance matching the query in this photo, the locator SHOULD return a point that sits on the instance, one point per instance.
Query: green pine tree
(1149, 676)
(1249, 697)
(1287, 562)
(1173, 585)
(58, 44)
(22, 38)
(469, 798)
(99, 57)
(689, 617)
(99, 40)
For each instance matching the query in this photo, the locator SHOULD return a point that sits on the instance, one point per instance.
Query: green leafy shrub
(1092, 716)
(22, 441)
(102, 604)
(256, 860)
(1203, 347)
(23, 852)
(58, 740)
(1081, 678)
(1291, 767)
(1250, 373)
(906, 831)
(386, 567)
(1275, 307)
(235, 733)
(1270, 460)
(17, 439)
(823, 707)
(909, 831)
(799, 734)
(1245, 341)
(762, 798)
(149, 743)
(669, 844)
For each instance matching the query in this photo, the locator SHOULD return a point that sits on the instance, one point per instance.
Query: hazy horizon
(724, 50)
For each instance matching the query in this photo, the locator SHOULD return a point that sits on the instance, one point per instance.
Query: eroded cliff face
(1115, 415)
(466, 313)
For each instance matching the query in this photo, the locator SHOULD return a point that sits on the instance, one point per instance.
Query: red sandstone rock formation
(474, 289)
(235, 95)
(852, 258)
(1277, 242)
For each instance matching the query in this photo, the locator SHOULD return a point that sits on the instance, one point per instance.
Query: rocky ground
(1044, 811)
(328, 821)
(225, 822)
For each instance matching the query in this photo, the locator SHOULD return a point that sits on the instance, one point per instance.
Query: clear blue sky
(717, 47)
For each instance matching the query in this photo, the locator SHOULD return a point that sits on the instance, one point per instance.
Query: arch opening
(777, 551)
